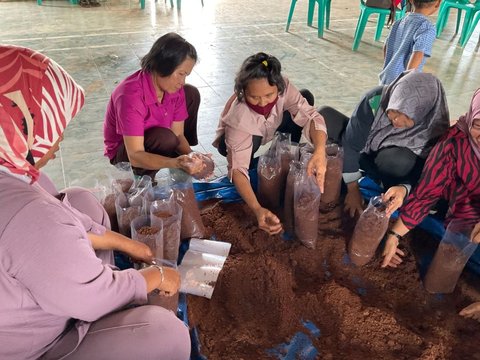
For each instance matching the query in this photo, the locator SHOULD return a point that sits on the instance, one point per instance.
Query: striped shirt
(412, 33)
(451, 172)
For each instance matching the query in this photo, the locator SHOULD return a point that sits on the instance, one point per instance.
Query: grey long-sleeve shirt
(49, 273)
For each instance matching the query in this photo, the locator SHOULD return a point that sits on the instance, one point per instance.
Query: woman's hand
(138, 251)
(189, 165)
(394, 198)
(392, 254)
(171, 281)
(353, 200)
(268, 221)
(317, 166)
(475, 236)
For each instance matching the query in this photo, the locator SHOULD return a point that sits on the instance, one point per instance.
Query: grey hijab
(421, 97)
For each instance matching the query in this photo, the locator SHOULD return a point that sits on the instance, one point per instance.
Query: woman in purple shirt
(58, 298)
(151, 118)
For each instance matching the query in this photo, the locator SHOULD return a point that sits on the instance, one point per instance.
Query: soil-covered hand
(475, 236)
(394, 198)
(391, 253)
(191, 165)
(268, 221)
(317, 166)
(171, 281)
(138, 251)
(353, 200)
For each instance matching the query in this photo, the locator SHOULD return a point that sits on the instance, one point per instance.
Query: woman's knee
(85, 202)
(395, 162)
(192, 95)
(160, 141)
(175, 338)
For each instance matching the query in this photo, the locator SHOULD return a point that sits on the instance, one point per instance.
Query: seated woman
(251, 117)
(59, 299)
(451, 172)
(391, 144)
(151, 119)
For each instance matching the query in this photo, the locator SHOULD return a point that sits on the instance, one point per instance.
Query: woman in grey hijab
(389, 135)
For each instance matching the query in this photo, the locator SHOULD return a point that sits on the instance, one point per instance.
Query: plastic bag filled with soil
(306, 204)
(148, 230)
(450, 258)
(288, 214)
(202, 162)
(156, 193)
(270, 182)
(158, 297)
(139, 190)
(368, 232)
(282, 146)
(192, 224)
(169, 212)
(333, 177)
(125, 213)
(121, 176)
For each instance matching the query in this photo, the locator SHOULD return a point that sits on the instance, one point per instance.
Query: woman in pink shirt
(253, 115)
(58, 298)
(151, 118)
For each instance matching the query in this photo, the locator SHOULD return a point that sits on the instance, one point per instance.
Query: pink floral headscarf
(465, 122)
(37, 101)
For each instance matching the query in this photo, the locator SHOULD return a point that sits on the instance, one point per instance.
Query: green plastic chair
(444, 11)
(323, 14)
(470, 30)
(365, 12)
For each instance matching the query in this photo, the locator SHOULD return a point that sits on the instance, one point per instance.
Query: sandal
(84, 3)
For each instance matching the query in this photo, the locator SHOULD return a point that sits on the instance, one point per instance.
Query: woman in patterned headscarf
(58, 299)
(451, 172)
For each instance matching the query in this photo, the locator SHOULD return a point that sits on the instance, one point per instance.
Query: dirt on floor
(269, 286)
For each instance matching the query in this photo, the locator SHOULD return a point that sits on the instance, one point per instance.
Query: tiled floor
(101, 46)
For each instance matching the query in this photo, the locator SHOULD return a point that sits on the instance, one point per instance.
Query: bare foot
(472, 311)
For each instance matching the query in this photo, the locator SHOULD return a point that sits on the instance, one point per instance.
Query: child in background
(410, 41)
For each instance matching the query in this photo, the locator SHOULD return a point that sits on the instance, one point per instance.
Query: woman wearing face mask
(253, 115)
(151, 119)
(389, 135)
(59, 298)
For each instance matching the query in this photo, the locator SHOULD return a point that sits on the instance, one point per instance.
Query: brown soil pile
(268, 286)
(148, 230)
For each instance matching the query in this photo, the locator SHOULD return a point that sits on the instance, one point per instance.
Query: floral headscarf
(465, 122)
(37, 101)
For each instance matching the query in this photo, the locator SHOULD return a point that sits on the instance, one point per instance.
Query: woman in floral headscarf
(452, 172)
(58, 299)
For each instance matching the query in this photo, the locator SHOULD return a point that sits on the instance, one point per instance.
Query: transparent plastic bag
(205, 162)
(122, 177)
(125, 213)
(148, 230)
(368, 232)
(288, 211)
(306, 204)
(192, 224)
(139, 190)
(170, 214)
(157, 297)
(156, 193)
(333, 176)
(269, 181)
(450, 258)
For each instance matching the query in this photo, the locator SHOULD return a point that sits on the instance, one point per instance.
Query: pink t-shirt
(133, 108)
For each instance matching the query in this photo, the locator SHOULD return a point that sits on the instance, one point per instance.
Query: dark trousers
(390, 166)
(287, 126)
(163, 141)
